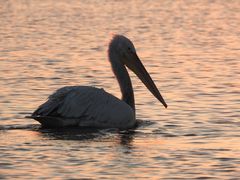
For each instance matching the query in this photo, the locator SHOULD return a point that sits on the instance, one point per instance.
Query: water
(190, 48)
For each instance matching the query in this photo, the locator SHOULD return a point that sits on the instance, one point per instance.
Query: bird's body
(86, 106)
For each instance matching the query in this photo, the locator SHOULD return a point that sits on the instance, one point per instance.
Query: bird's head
(122, 49)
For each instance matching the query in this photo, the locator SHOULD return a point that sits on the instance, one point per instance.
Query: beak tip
(163, 102)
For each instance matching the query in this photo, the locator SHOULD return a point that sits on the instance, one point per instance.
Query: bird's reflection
(124, 138)
(121, 137)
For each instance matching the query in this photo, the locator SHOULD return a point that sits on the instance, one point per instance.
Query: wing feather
(74, 102)
(84, 106)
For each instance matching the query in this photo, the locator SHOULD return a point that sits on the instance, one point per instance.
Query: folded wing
(83, 106)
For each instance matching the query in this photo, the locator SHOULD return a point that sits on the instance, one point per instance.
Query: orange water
(190, 48)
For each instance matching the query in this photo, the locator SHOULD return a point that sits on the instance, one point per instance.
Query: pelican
(87, 106)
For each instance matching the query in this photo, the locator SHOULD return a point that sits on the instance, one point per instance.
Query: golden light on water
(191, 50)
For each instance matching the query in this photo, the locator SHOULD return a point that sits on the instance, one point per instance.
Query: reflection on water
(191, 50)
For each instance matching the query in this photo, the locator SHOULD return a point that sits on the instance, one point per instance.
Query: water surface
(190, 48)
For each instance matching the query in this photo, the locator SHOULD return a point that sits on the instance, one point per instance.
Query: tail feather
(51, 121)
(49, 107)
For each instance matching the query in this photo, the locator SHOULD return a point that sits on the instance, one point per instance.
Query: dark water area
(190, 48)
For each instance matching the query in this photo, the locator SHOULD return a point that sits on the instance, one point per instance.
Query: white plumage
(86, 106)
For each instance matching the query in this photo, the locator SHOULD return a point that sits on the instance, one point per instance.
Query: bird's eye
(129, 48)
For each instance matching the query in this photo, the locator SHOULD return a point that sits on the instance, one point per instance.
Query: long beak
(137, 67)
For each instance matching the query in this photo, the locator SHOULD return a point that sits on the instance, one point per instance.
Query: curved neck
(124, 81)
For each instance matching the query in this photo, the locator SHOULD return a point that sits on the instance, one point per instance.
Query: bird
(87, 106)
